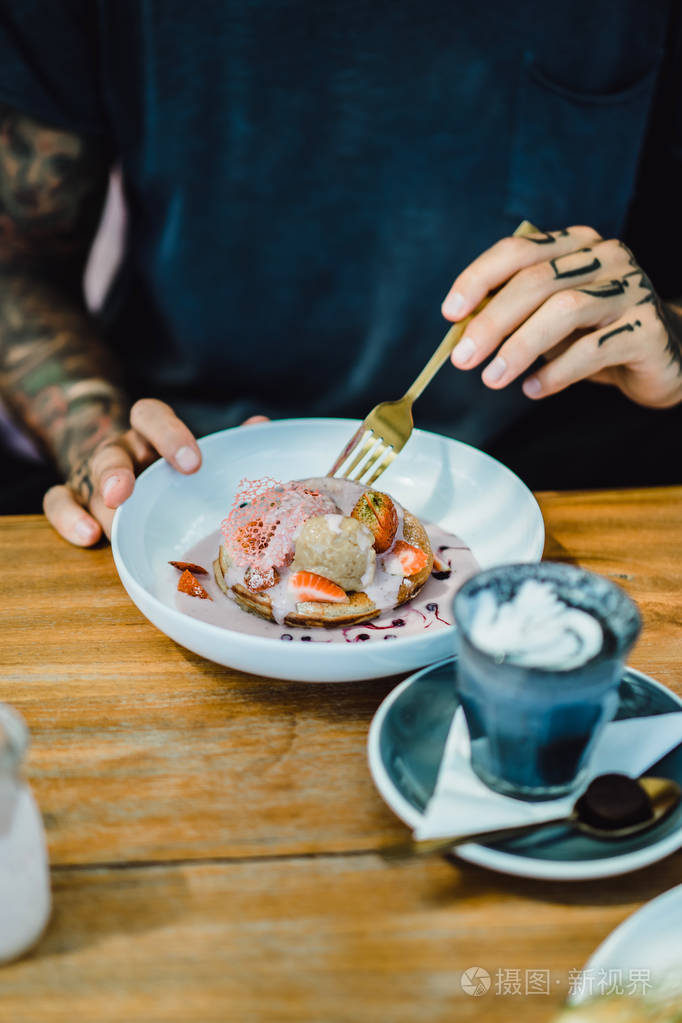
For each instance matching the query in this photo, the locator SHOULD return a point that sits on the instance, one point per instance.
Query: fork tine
(349, 448)
(368, 441)
(376, 454)
(384, 464)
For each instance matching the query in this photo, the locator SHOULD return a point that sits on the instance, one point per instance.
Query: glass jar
(24, 869)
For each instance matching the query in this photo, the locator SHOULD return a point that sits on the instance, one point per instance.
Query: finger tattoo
(642, 280)
(81, 481)
(672, 321)
(668, 316)
(645, 284)
(609, 289)
(584, 266)
(547, 237)
(629, 327)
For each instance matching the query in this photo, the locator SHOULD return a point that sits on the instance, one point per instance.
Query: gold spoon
(612, 806)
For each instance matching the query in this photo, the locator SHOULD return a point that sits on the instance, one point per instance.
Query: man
(302, 183)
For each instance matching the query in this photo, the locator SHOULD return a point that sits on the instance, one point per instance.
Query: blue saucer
(406, 743)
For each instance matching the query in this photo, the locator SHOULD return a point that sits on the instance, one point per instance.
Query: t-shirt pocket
(574, 155)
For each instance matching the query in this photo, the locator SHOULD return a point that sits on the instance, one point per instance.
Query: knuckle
(550, 377)
(512, 250)
(144, 408)
(105, 454)
(627, 253)
(101, 458)
(534, 276)
(612, 248)
(566, 302)
(473, 281)
(105, 460)
(519, 351)
(485, 327)
(586, 232)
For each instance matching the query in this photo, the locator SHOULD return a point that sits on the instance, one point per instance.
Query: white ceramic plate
(438, 479)
(649, 941)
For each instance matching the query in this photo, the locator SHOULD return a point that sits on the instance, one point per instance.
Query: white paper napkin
(462, 803)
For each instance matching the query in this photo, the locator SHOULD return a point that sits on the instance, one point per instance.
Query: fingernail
(531, 387)
(495, 371)
(187, 459)
(109, 484)
(84, 530)
(453, 304)
(464, 351)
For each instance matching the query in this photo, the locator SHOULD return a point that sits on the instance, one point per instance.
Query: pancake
(389, 587)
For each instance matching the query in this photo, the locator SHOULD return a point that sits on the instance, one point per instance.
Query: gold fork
(387, 428)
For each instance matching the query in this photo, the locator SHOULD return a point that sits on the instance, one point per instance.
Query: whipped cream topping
(535, 628)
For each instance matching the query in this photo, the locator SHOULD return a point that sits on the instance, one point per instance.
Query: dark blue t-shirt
(305, 180)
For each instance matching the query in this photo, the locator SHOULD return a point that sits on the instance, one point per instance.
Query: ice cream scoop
(337, 547)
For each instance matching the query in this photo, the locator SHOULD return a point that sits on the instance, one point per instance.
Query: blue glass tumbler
(532, 728)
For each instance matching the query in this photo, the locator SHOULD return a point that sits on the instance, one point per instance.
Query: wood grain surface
(213, 835)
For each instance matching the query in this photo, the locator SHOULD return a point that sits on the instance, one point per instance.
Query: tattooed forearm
(55, 373)
(52, 187)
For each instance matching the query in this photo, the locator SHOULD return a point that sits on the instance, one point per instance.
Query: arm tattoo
(56, 374)
(584, 266)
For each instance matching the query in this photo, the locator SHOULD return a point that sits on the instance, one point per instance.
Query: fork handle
(442, 353)
(453, 335)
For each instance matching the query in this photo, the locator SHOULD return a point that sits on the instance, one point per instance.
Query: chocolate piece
(614, 801)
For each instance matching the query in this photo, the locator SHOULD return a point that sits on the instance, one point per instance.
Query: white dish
(440, 480)
(649, 941)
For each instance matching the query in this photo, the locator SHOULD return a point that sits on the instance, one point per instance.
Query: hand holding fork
(387, 428)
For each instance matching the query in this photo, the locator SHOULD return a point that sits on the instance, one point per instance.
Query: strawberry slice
(184, 565)
(405, 559)
(377, 511)
(187, 583)
(310, 586)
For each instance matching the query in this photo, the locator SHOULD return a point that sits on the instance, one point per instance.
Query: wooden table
(213, 835)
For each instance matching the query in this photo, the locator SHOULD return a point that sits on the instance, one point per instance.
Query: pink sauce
(430, 609)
